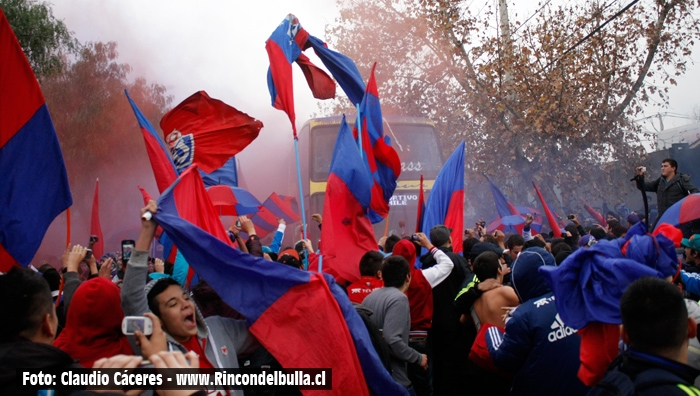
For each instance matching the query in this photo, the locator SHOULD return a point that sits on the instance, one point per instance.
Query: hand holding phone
(130, 324)
(127, 249)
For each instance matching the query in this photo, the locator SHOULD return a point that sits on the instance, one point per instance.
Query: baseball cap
(439, 235)
(693, 242)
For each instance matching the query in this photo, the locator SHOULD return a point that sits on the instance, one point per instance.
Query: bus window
(416, 145)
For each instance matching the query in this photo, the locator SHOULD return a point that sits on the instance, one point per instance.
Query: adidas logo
(560, 330)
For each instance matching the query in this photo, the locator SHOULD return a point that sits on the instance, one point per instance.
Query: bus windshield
(416, 145)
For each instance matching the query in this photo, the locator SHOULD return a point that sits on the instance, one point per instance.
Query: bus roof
(335, 120)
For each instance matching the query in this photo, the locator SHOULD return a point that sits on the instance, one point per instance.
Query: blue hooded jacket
(537, 346)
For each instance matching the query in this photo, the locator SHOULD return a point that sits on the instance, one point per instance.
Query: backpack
(261, 358)
(378, 341)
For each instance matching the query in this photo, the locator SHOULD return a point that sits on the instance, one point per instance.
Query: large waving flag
(207, 132)
(302, 318)
(34, 184)
(95, 228)
(285, 47)
(161, 163)
(550, 216)
(347, 233)
(446, 201)
(382, 159)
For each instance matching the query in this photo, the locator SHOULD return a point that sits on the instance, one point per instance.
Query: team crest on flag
(182, 150)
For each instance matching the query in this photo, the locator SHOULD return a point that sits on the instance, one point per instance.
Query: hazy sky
(218, 46)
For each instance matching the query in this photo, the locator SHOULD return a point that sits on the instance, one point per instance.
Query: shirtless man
(488, 308)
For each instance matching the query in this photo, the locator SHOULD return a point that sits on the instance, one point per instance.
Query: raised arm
(133, 297)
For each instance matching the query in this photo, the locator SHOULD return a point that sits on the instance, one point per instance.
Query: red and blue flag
(34, 184)
(503, 206)
(383, 161)
(347, 233)
(548, 213)
(284, 207)
(304, 319)
(161, 163)
(285, 47)
(446, 201)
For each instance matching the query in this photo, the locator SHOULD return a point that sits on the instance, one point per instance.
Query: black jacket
(647, 375)
(668, 193)
(29, 355)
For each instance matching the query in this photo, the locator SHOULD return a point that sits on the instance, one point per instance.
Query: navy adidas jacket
(541, 351)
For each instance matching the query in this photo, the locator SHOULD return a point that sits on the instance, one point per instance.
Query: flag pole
(67, 228)
(320, 263)
(301, 195)
(386, 224)
(359, 129)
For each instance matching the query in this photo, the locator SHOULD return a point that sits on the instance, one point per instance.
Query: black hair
(490, 239)
(573, 230)
(371, 263)
(560, 247)
(53, 278)
(26, 299)
(288, 259)
(390, 242)
(394, 271)
(654, 315)
(273, 256)
(486, 266)
(467, 245)
(619, 230)
(159, 287)
(534, 242)
(598, 233)
(671, 162)
(613, 223)
(514, 240)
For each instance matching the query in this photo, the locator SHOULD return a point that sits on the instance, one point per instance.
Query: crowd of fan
(482, 322)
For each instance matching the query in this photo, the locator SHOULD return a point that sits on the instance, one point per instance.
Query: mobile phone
(130, 324)
(571, 217)
(88, 254)
(94, 239)
(127, 248)
(238, 223)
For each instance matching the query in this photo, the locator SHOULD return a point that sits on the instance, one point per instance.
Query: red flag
(550, 217)
(145, 194)
(95, 228)
(597, 216)
(421, 206)
(207, 132)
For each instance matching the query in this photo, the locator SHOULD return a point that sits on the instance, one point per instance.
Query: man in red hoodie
(420, 301)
